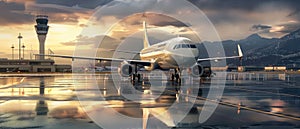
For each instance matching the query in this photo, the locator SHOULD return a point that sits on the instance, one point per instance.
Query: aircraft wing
(139, 62)
(221, 58)
(127, 51)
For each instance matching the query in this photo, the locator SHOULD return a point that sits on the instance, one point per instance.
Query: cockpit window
(177, 46)
(193, 46)
(184, 45)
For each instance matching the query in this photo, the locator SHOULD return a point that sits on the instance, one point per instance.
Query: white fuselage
(171, 54)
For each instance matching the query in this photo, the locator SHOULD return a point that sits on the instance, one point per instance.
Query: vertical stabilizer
(146, 40)
(240, 51)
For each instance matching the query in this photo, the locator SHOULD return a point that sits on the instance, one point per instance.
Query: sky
(84, 23)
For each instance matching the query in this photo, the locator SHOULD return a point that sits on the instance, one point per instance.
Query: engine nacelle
(197, 70)
(126, 70)
(152, 67)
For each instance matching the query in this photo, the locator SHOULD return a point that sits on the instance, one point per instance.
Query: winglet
(240, 51)
(146, 40)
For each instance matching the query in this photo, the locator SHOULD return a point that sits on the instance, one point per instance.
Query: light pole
(23, 47)
(20, 38)
(12, 51)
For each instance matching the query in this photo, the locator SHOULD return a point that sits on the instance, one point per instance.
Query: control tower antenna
(20, 38)
(41, 29)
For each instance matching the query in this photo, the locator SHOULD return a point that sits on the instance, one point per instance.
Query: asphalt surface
(91, 101)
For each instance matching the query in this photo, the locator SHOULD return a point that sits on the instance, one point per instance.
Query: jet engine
(197, 70)
(126, 70)
(152, 66)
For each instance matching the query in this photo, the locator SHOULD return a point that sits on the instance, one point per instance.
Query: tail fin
(240, 51)
(146, 40)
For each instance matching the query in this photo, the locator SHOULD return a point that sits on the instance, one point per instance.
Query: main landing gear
(176, 76)
(135, 75)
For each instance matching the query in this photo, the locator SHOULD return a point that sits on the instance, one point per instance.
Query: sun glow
(277, 28)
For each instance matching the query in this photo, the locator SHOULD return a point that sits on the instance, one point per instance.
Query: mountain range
(260, 51)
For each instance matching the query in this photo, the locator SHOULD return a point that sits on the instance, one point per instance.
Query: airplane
(176, 53)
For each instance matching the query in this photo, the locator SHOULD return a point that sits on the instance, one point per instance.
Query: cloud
(276, 30)
(59, 13)
(159, 20)
(14, 12)
(11, 14)
(87, 46)
(290, 26)
(294, 13)
(121, 8)
(232, 18)
(260, 27)
(174, 23)
(91, 4)
(93, 41)
(248, 6)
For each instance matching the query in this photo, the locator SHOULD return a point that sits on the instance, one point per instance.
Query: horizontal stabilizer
(221, 58)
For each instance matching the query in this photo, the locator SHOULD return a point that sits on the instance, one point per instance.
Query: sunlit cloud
(59, 13)
(276, 28)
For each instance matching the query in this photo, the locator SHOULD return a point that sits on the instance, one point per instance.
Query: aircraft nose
(191, 56)
(196, 53)
(191, 53)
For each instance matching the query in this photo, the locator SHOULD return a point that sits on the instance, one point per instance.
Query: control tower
(41, 29)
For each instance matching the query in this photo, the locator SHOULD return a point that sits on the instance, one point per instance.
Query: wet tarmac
(95, 101)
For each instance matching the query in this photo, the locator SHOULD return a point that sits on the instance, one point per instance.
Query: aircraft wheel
(177, 77)
(179, 80)
(172, 77)
(133, 77)
(139, 77)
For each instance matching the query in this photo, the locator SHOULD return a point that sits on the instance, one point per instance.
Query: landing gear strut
(176, 76)
(135, 75)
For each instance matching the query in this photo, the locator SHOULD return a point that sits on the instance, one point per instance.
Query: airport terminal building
(46, 65)
(39, 64)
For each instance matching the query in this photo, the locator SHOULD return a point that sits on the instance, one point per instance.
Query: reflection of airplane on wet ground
(176, 53)
(153, 103)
